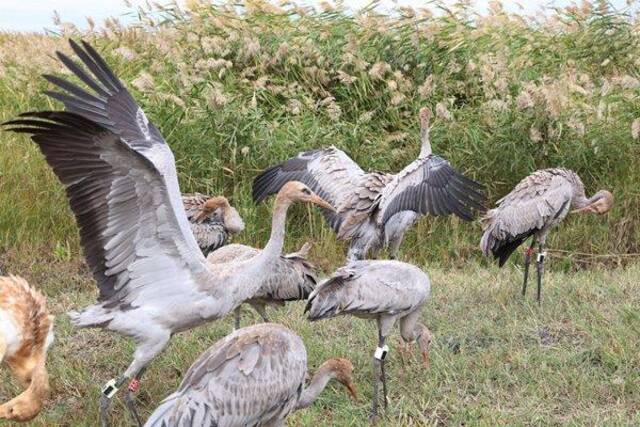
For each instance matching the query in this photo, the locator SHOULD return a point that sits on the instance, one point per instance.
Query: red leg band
(134, 385)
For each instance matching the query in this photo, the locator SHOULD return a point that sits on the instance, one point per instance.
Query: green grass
(523, 94)
(496, 358)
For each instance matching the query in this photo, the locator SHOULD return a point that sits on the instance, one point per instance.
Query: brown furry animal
(26, 332)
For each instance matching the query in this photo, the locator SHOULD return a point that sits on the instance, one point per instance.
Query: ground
(496, 359)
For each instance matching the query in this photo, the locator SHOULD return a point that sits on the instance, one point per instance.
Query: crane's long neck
(425, 149)
(274, 246)
(316, 386)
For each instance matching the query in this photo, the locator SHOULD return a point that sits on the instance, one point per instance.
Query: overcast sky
(35, 15)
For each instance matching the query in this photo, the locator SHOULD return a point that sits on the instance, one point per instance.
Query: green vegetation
(236, 88)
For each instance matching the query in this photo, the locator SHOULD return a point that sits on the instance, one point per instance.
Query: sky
(36, 15)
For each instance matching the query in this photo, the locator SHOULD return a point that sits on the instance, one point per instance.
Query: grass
(237, 88)
(497, 359)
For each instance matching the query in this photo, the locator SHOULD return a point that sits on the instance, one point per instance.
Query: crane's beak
(351, 388)
(317, 200)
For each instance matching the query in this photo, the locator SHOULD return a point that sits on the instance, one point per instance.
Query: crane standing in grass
(212, 219)
(252, 377)
(122, 186)
(387, 291)
(26, 332)
(536, 205)
(374, 210)
(291, 278)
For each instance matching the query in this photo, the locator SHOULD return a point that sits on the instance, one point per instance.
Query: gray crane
(387, 291)
(291, 278)
(122, 186)
(212, 219)
(252, 377)
(537, 204)
(374, 210)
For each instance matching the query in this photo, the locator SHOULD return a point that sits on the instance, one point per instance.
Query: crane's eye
(306, 191)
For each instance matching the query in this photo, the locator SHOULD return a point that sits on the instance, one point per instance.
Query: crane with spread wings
(373, 209)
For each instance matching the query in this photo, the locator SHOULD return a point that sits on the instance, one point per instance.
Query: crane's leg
(384, 327)
(129, 397)
(156, 341)
(527, 262)
(540, 268)
(237, 314)
(262, 311)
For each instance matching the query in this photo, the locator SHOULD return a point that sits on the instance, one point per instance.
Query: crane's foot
(130, 400)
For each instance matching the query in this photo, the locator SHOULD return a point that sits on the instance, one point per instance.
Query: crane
(252, 377)
(374, 210)
(537, 204)
(387, 291)
(121, 183)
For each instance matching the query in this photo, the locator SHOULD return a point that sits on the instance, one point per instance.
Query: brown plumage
(26, 331)
(212, 219)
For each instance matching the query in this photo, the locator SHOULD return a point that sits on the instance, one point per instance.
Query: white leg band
(542, 256)
(110, 389)
(381, 352)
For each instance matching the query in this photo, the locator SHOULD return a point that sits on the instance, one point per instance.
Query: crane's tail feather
(503, 248)
(94, 316)
(324, 301)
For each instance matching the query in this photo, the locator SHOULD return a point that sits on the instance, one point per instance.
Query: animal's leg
(236, 315)
(527, 261)
(156, 341)
(394, 245)
(384, 328)
(262, 311)
(381, 345)
(540, 268)
(129, 397)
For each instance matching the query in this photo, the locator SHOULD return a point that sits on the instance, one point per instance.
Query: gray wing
(232, 252)
(253, 377)
(369, 288)
(292, 276)
(430, 185)
(534, 203)
(329, 172)
(124, 192)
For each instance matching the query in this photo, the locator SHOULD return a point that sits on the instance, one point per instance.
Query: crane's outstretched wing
(536, 200)
(329, 172)
(430, 185)
(121, 183)
(252, 377)
(366, 288)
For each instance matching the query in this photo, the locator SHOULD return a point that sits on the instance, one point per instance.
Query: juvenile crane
(291, 278)
(374, 210)
(212, 219)
(387, 291)
(253, 377)
(122, 186)
(26, 332)
(536, 205)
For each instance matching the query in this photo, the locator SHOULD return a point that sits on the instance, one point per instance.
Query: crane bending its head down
(600, 203)
(232, 220)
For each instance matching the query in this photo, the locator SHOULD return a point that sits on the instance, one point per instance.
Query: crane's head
(295, 191)
(219, 207)
(600, 203)
(342, 370)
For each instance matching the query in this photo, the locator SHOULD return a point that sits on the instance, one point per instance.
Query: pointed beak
(425, 359)
(317, 200)
(351, 388)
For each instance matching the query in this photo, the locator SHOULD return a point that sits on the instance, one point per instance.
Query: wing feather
(430, 185)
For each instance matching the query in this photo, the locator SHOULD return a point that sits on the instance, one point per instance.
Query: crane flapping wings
(329, 172)
(536, 200)
(121, 183)
(430, 185)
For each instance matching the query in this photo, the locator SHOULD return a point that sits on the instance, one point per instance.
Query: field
(234, 89)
